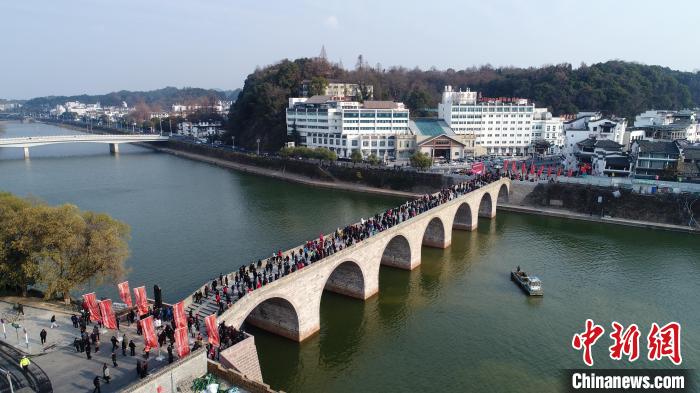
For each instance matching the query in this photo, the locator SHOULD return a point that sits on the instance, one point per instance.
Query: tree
(318, 86)
(373, 159)
(59, 248)
(421, 161)
(356, 156)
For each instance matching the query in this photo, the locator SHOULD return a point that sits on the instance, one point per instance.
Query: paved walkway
(67, 369)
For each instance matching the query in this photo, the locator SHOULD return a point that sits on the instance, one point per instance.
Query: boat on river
(530, 284)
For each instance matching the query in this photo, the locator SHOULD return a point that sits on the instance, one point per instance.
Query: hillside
(160, 99)
(618, 87)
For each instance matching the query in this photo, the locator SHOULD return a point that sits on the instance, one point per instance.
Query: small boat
(530, 284)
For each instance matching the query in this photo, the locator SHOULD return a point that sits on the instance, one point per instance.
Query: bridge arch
(398, 253)
(347, 279)
(464, 219)
(503, 193)
(276, 315)
(434, 234)
(487, 207)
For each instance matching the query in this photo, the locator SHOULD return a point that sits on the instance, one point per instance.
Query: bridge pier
(114, 148)
(26, 153)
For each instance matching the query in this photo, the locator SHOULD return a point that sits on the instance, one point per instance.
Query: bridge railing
(189, 299)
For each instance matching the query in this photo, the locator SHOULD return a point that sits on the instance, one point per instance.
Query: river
(457, 323)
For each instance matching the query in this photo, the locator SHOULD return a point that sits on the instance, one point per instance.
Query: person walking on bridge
(24, 363)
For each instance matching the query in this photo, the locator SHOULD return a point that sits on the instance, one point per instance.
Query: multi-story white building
(500, 126)
(546, 127)
(344, 126)
(591, 125)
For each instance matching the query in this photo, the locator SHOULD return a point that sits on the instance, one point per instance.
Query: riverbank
(561, 213)
(281, 175)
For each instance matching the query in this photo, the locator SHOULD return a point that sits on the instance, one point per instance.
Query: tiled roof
(658, 147)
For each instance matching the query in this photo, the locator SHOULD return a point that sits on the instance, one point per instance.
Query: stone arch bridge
(290, 306)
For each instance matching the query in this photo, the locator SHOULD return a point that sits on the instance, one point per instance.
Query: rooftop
(380, 105)
(430, 127)
(666, 147)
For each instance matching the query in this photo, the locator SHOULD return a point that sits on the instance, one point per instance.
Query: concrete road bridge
(112, 140)
(290, 306)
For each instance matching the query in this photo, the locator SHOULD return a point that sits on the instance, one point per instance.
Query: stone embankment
(579, 202)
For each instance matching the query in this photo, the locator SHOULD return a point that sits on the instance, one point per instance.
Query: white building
(548, 128)
(501, 126)
(654, 118)
(200, 129)
(344, 126)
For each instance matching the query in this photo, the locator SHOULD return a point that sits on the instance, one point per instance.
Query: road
(36, 378)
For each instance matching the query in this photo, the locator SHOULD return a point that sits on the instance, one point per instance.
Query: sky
(69, 47)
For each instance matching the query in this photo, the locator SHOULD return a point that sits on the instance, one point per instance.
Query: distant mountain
(161, 99)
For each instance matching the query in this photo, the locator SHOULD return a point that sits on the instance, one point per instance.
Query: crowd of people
(226, 289)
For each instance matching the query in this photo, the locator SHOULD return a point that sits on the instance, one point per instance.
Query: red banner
(149, 332)
(182, 342)
(524, 168)
(179, 315)
(549, 171)
(515, 168)
(212, 330)
(539, 172)
(478, 168)
(141, 300)
(558, 171)
(91, 300)
(124, 293)
(505, 165)
(532, 168)
(109, 320)
(571, 172)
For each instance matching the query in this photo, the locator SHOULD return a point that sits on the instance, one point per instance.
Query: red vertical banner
(179, 315)
(212, 330)
(571, 172)
(524, 168)
(141, 300)
(539, 172)
(149, 332)
(108, 317)
(558, 171)
(91, 300)
(124, 293)
(182, 342)
(549, 171)
(505, 166)
(532, 168)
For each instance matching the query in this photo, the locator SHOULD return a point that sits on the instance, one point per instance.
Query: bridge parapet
(290, 306)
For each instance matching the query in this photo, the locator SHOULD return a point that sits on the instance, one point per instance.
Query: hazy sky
(52, 47)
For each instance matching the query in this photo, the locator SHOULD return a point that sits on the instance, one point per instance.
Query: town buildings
(201, 129)
(372, 127)
(501, 126)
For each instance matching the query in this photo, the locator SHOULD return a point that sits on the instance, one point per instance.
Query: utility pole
(258, 140)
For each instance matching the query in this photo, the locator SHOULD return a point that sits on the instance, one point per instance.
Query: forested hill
(618, 87)
(161, 99)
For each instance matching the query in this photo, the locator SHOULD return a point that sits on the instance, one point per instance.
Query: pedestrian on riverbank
(42, 335)
(124, 345)
(96, 384)
(114, 343)
(114, 359)
(87, 351)
(132, 347)
(105, 373)
(74, 319)
(53, 322)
